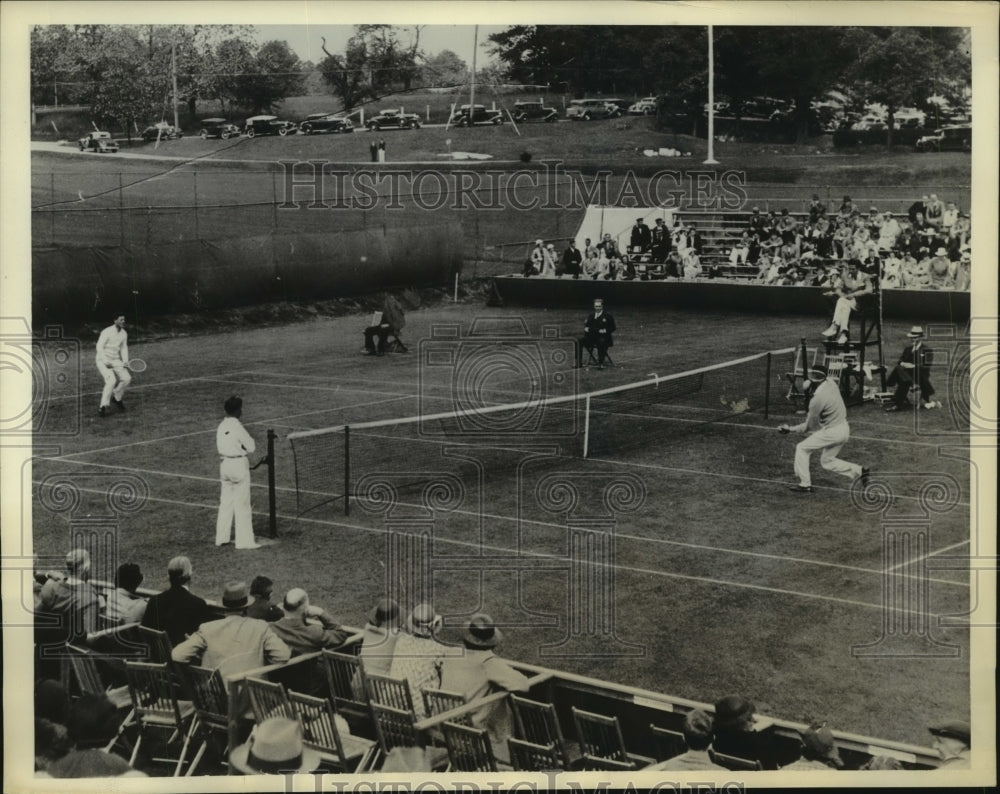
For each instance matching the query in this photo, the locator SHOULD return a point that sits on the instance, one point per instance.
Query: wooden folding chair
(158, 643)
(345, 677)
(388, 691)
(83, 664)
(268, 699)
(531, 757)
(438, 701)
(211, 705)
(668, 743)
(395, 727)
(601, 738)
(157, 708)
(735, 763)
(345, 753)
(469, 749)
(538, 723)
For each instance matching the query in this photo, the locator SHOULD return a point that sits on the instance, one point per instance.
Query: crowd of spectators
(75, 736)
(928, 249)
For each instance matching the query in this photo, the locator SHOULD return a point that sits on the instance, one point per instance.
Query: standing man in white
(828, 432)
(234, 444)
(112, 356)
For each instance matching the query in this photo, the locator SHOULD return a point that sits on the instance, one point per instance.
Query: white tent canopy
(618, 222)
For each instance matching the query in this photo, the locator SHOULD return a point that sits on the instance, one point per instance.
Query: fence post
(121, 211)
(52, 200)
(272, 506)
(197, 232)
(274, 199)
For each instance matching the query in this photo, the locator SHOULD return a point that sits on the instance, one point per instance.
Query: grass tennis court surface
(723, 580)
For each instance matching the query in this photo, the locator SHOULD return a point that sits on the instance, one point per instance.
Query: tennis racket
(136, 365)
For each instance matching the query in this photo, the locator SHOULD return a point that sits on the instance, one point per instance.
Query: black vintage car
(392, 119)
(534, 111)
(325, 122)
(219, 128)
(956, 138)
(161, 132)
(480, 115)
(268, 125)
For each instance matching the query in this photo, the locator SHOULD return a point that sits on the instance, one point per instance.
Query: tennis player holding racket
(113, 363)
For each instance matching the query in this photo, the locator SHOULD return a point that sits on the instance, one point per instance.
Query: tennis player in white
(234, 444)
(828, 431)
(112, 356)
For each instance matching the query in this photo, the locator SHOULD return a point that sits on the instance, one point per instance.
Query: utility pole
(173, 77)
(472, 92)
(711, 100)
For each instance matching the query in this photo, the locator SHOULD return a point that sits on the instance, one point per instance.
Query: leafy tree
(375, 62)
(444, 69)
(277, 75)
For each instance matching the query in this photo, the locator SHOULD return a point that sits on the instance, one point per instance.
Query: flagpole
(711, 100)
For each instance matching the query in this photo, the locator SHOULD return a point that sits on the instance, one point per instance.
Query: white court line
(737, 477)
(538, 523)
(262, 422)
(559, 558)
(141, 386)
(928, 555)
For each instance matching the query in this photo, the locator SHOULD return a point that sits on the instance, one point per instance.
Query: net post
(586, 425)
(272, 517)
(767, 386)
(347, 470)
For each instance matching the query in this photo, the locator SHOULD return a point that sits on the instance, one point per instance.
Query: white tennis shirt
(112, 345)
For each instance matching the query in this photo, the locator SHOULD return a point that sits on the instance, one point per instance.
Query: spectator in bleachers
(418, 654)
(548, 261)
(934, 214)
(610, 248)
(675, 264)
(740, 251)
(305, 628)
(853, 286)
(949, 217)
(817, 208)
(819, 751)
(698, 736)
(787, 226)
(477, 673)
(176, 611)
(918, 208)
(772, 275)
(963, 273)
(92, 724)
(942, 271)
(537, 257)
(73, 599)
(235, 643)
(789, 252)
(593, 268)
(891, 271)
(741, 733)
(262, 588)
(757, 224)
(641, 237)
(772, 245)
(847, 209)
(124, 604)
(953, 742)
(842, 238)
(960, 231)
(572, 260)
(660, 241)
(381, 632)
(51, 743)
(888, 232)
(692, 266)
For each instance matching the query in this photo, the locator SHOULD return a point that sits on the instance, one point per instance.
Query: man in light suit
(235, 643)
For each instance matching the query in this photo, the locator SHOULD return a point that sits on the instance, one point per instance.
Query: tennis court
(718, 578)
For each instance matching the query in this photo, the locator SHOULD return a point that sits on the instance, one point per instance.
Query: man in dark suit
(176, 611)
(914, 366)
(597, 333)
(641, 236)
(390, 324)
(572, 259)
(660, 241)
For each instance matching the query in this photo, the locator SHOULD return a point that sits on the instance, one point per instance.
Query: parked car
(98, 142)
(644, 107)
(534, 111)
(957, 138)
(268, 125)
(390, 118)
(480, 115)
(325, 122)
(587, 109)
(162, 132)
(219, 128)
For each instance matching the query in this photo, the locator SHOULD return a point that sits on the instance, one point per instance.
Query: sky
(305, 39)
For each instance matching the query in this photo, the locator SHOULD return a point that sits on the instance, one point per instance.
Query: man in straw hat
(828, 431)
(418, 654)
(235, 643)
(478, 672)
(275, 747)
(913, 367)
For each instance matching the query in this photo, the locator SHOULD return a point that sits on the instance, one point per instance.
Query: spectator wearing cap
(941, 272)
(698, 735)
(739, 732)
(380, 633)
(913, 367)
(819, 750)
(235, 643)
(125, 605)
(262, 588)
(826, 424)
(275, 747)
(953, 742)
(176, 610)
(73, 599)
(418, 654)
(641, 237)
(817, 208)
(478, 672)
(306, 628)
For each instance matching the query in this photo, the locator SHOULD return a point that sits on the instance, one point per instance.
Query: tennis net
(333, 464)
